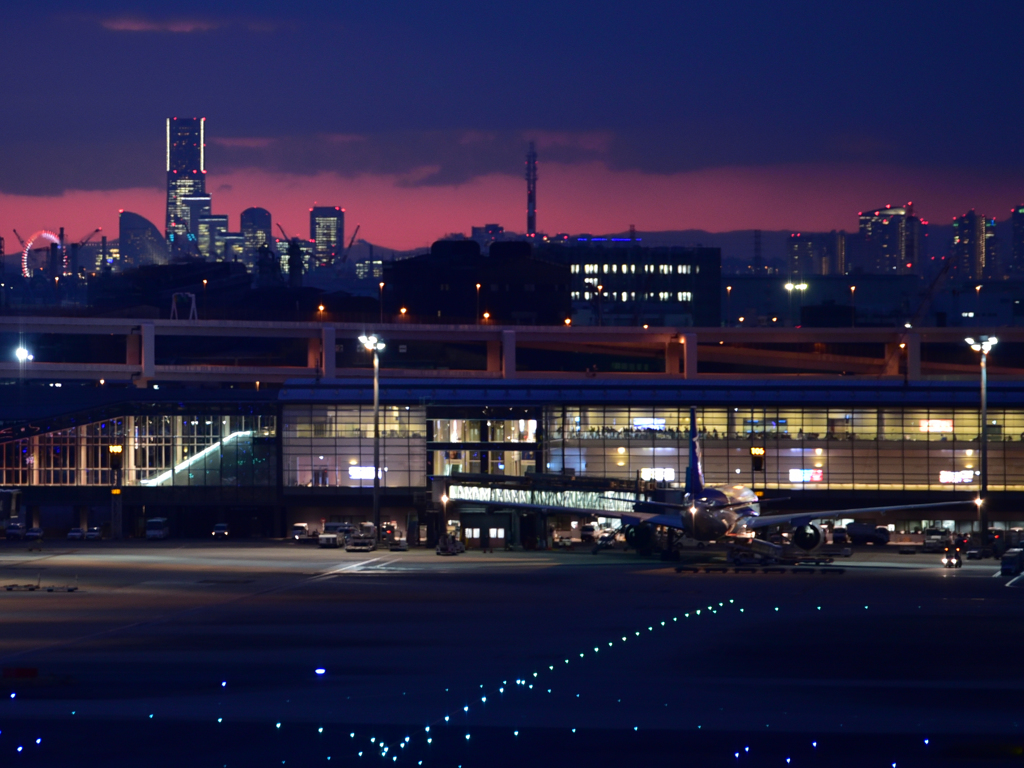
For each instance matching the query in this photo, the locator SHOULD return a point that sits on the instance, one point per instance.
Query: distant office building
(636, 286)
(210, 234)
(1016, 266)
(327, 231)
(234, 247)
(817, 253)
(515, 287)
(889, 241)
(186, 174)
(487, 234)
(975, 253)
(305, 246)
(369, 269)
(256, 229)
(139, 241)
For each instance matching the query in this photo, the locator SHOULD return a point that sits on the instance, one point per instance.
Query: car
(76, 534)
(34, 534)
(359, 542)
(15, 530)
(220, 531)
(399, 545)
(94, 534)
(589, 532)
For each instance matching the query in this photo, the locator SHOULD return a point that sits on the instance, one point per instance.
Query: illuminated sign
(806, 475)
(757, 451)
(648, 424)
(361, 473)
(661, 474)
(936, 425)
(963, 476)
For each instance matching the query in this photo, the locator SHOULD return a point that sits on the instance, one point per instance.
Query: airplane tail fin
(695, 472)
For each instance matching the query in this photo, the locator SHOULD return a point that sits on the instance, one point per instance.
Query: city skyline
(742, 132)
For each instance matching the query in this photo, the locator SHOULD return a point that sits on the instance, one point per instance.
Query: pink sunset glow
(396, 213)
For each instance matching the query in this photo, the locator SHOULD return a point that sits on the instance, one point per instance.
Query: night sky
(415, 116)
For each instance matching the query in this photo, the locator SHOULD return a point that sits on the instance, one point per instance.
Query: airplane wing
(802, 518)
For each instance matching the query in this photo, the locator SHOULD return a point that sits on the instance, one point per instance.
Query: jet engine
(640, 537)
(808, 537)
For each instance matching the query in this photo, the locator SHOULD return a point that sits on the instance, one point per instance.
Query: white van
(157, 528)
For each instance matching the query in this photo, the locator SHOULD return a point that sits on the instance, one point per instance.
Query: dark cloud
(442, 93)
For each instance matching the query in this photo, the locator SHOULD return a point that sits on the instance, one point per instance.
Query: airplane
(732, 513)
(718, 513)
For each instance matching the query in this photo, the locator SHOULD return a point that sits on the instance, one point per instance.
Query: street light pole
(478, 303)
(983, 345)
(381, 301)
(375, 345)
(728, 306)
(853, 307)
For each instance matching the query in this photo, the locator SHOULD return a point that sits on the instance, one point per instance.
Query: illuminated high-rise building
(889, 241)
(186, 176)
(327, 231)
(974, 246)
(256, 229)
(1016, 266)
(210, 234)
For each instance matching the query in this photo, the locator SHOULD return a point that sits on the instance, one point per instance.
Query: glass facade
(489, 446)
(332, 446)
(805, 449)
(157, 451)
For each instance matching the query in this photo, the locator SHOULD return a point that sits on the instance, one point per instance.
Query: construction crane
(344, 256)
(90, 236)
(283, 233)
(20, 239)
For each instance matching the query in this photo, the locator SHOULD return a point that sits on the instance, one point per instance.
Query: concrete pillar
(133, 349)
(913, 341)
(893, 353)
(494, 356)
(689, 341)
(327, 336)
(83, 518)
(508, 354)
(672, 357)
(148, 351)
(313, 354)
(34, 515)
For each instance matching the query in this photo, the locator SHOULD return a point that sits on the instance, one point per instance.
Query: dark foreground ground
(203, 655)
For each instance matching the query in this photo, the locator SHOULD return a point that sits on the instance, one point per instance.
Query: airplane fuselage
(718, 509)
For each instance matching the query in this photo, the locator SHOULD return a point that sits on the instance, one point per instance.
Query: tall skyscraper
(327, 231)
(1016, 266)
(140, 241)
(531, 191)
(186, 175)
(256, 229)
(889, 241)
(210, 233)
(974, 247)
(817, 253)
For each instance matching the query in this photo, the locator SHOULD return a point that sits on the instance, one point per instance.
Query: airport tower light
(376, 346)
(983, 345)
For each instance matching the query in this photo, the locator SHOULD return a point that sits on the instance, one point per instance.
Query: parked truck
(867, 533)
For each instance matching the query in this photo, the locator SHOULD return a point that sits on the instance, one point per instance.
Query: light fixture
(371, 343)
(22, 354)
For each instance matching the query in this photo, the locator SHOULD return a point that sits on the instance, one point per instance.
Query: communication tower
(531, 191)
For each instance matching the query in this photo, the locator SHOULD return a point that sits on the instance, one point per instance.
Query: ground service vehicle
(157, 528)
(330, 539)
(1012, 562)
(866, 533)
(34, 534)
(76, 534)
(94, 534)
(359, 542)
(220, 531)
(951, 557)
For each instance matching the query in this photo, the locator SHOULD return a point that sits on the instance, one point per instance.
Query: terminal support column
(328, 362)
(689, 341)
(494, 356)
(672, 357)
(508, 354)
(913, 341)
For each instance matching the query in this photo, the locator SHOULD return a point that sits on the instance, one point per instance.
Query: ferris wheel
(44, 234)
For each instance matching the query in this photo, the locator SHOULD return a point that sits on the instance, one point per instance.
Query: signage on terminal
(806, 475)
(936, 425)
(646, 423)
(961, 476)
(660, 474)
(362, 473)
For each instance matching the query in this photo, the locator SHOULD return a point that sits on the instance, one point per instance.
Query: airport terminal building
(201, 444)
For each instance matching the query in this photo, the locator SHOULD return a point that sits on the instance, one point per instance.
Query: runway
(892, 651)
